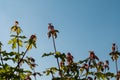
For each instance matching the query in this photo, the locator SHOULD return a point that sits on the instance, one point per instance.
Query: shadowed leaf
(45, 54)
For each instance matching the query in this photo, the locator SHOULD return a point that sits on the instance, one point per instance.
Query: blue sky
(84, 25)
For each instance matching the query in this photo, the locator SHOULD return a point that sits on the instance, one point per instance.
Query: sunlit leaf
(28, 46)
(20, 43)
(13, 28)
(16, 29)
(10, 42)
(57, 53)
(19, 30)
(13, 45)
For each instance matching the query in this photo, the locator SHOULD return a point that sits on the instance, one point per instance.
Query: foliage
(17, 71)
(91, 68)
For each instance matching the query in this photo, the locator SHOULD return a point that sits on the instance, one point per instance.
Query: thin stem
(116, 65)
(35, 74)
(55, 51)
(18, 40)
(23, 55)
(18, 49)
(54, 43)
(21, 59)
(52, 75)
(1, 56)
(18, 46)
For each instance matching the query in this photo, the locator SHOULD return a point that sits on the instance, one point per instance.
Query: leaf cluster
(17, 58)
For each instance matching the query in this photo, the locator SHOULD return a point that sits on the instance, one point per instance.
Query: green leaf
(29, 46)
(13, 45)
(13, 35)
(58, 53)
(0, 43)
(110, 74)
(6, 59)
(12, 53)
(13, 41)
(34, 44)
(20, 43)
(19, 30)
(10, 42)
(16, 29)
(51, 70)
(83, 61)
(13, 28)
(22, 37)
(49, 54)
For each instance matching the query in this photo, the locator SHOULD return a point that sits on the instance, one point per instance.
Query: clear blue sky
(84, 25)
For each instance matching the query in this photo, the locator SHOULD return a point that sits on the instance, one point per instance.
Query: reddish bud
(113, 47)
(86, 66)
(106, 64)
(61, 63)
(93, 56)
(50, 27)
(118, 73)
(100, 63)
(16, 23)
(69, 58)
(33, 37)
(27, 78)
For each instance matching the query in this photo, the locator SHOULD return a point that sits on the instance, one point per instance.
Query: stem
(52, 75)
(1, 56)
(18, 46)
(21, 59)
(18, 43)
(116, 65)
(34, 75)
(23, 56)
(18, 50)
(18, 40)
(55, 51)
